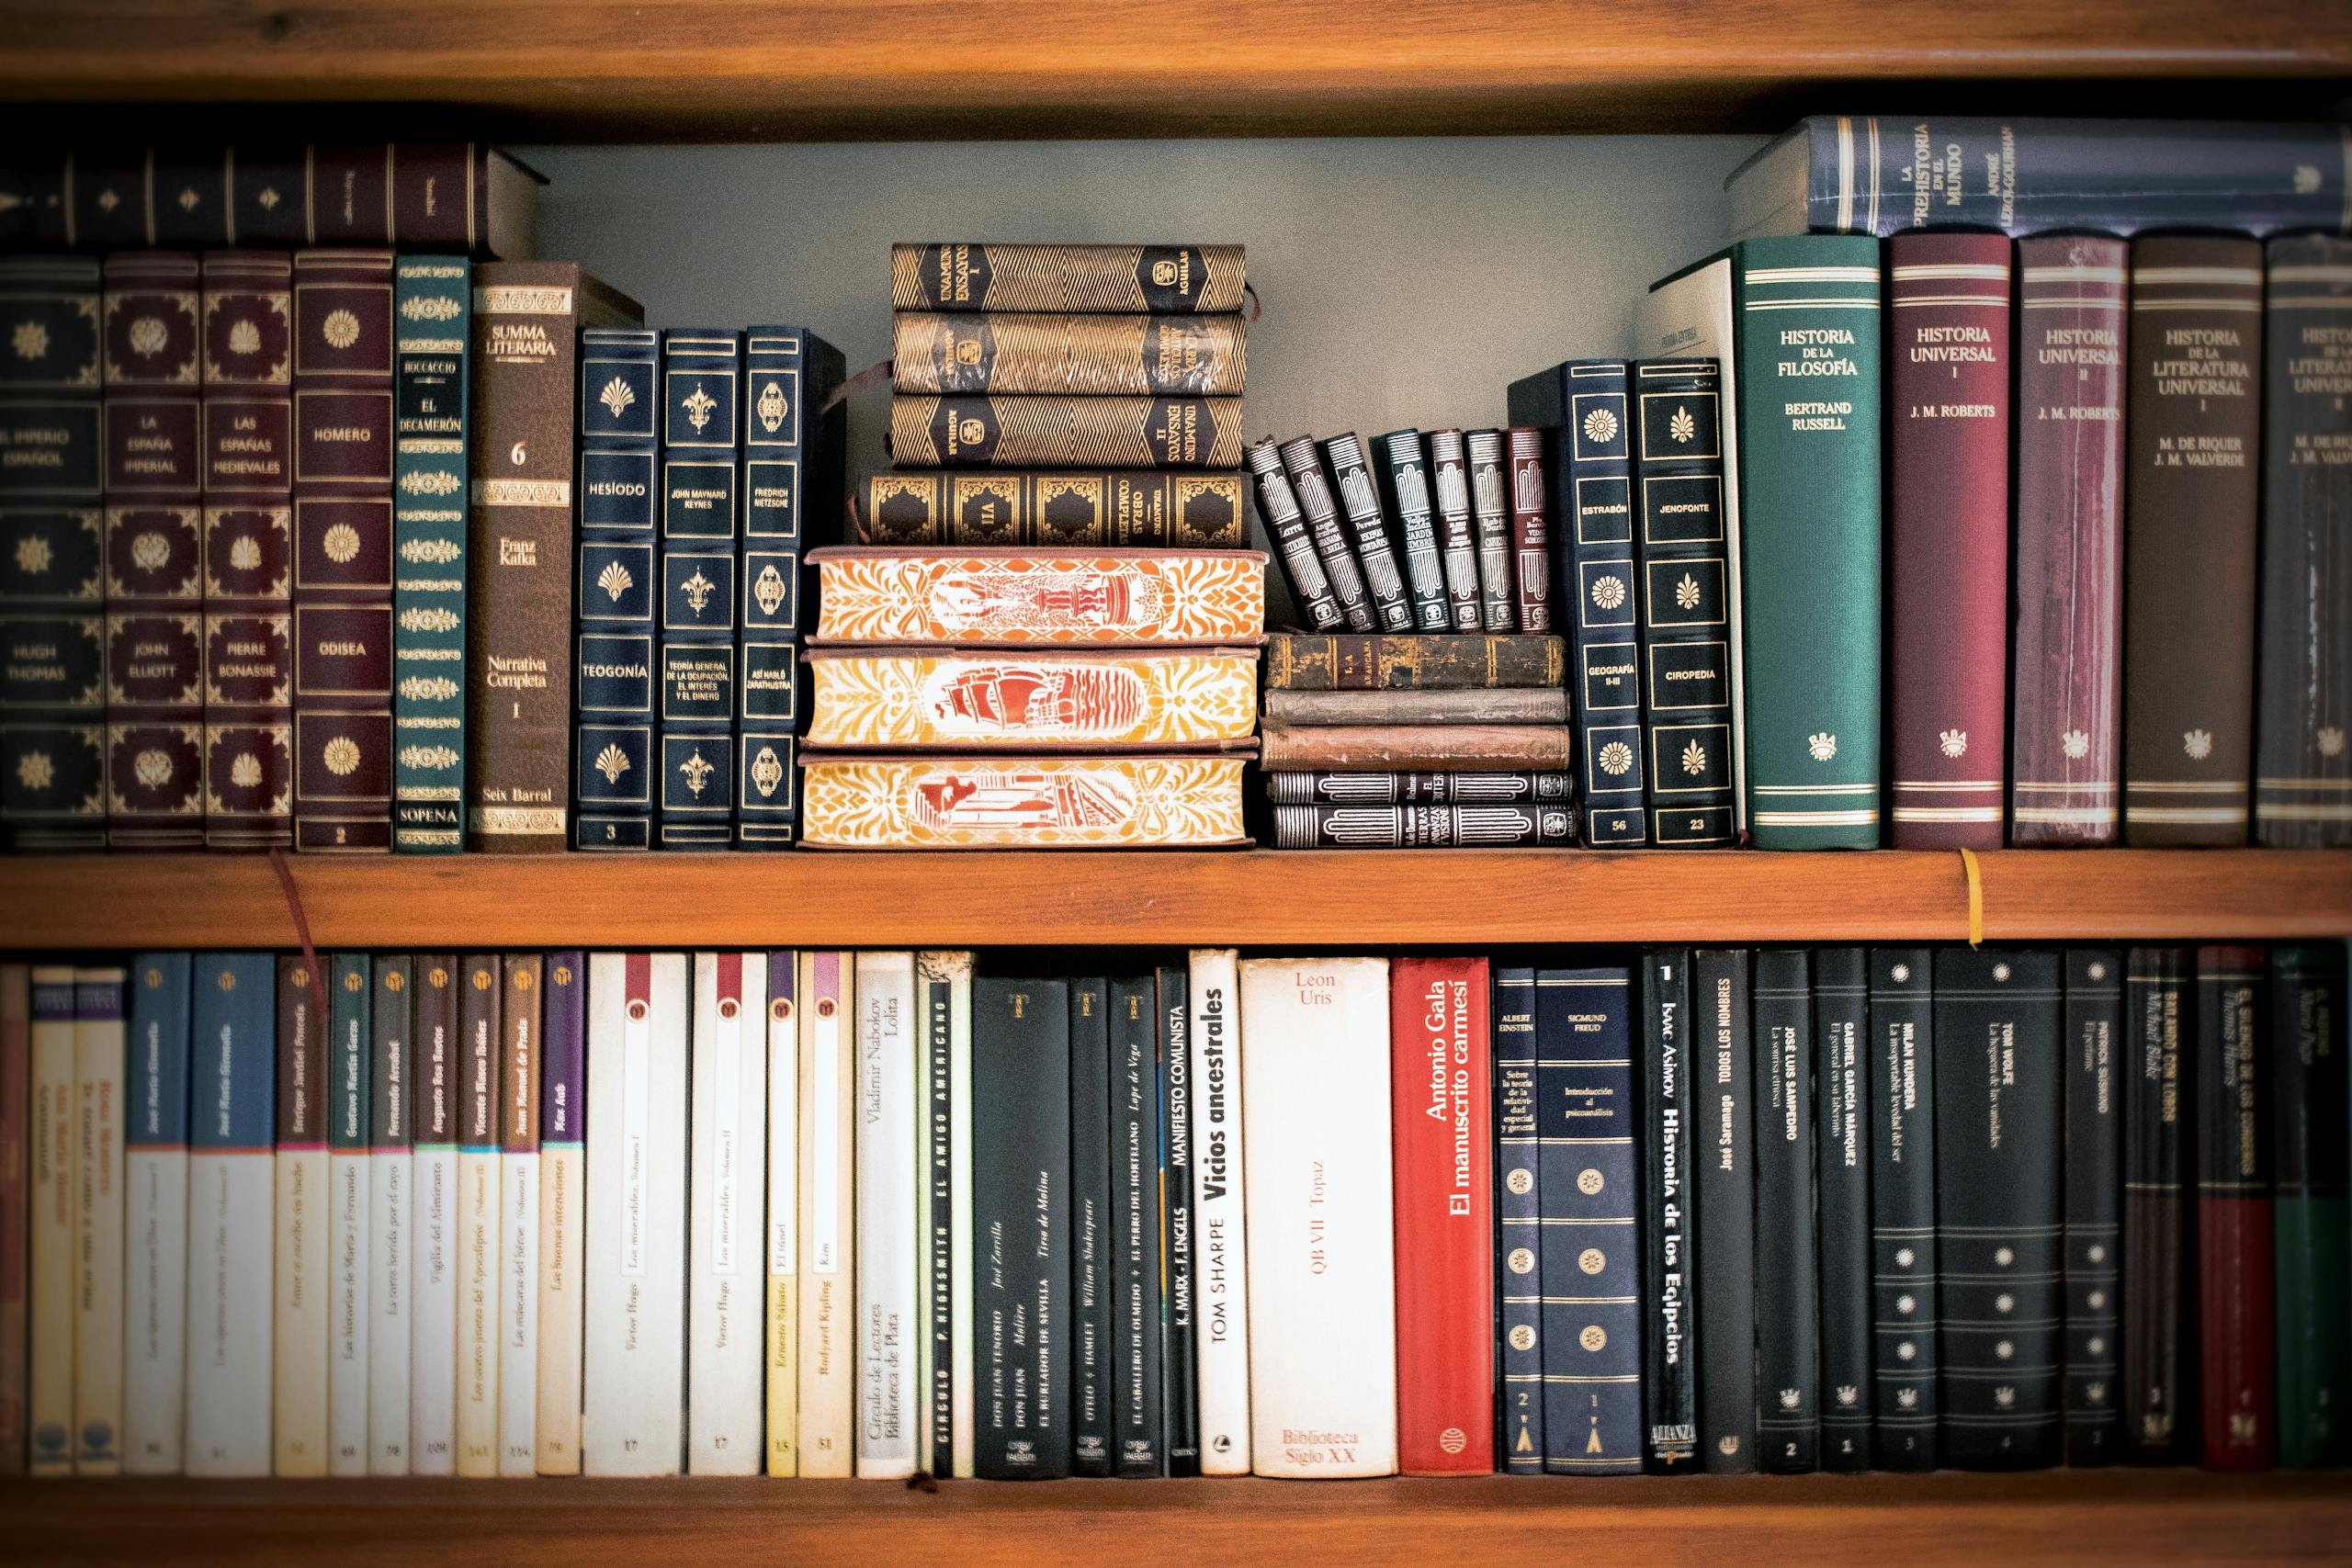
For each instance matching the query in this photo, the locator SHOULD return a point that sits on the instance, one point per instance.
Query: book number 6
(517, 455)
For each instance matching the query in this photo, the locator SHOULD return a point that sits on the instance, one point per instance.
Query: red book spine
(2065, 741)
(1948, 449)
(1530, 541)
(2236, 1329)
(1444, 1196)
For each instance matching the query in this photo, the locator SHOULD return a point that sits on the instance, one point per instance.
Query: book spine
(1137, 1327)
(827, 987)
(898, 598)
(1310, 585)
(1809, 481)
(1405, 493)
(351, 1222)
(933, 1383)
(48, 1251)
(2094, 1194)
(2188, 577)
(961, 1326)
(16, 1210)
(1296, 662)
(728, 1093)
(563, 1083)
(783, 1347)
(1083, 279)
(248, 446)
(479, 1253)
(1490, 508)
(1219, 1224)
(1444, 1200)
(432, 299)
(101, 1073)
(1055, 509)
(1417, 789)
(1351, 582)
(990, 701)
(1531, 528)
(517, 1313)
(155, 1217)
(230, 1222)
(2066, 727)
(1180, 1359)
(392, 1275)
(701, 544)
(53, 553)
(1359, 496)
(985, 432)
(1907, 1385)
(1322, 1311)
(887, 1400)
(1533, 705)
(620, 499)
(2156, 1238)
(1091, 1385)
(433, 1071)
(1326, 827)
(1457, 538)
(2302, 784)
(1020, 1205)
(1670, 1264)
(1842, 1151)
(973, 802)
(2000, 1124)
(1725, 1235)
(154, 579)
(299, 1313)
(1453, 748)
(1686, 668)
(1787, 1279)
(2309, 1110)
(1130, 356)
(2235, 1311)
(1519, 1226)
(344, 463)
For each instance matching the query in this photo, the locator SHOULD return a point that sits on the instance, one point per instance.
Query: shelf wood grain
(894, 69)
(1341, 899)
(2057, 1517)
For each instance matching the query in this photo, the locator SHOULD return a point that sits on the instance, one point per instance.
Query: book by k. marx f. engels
(2160, 1034)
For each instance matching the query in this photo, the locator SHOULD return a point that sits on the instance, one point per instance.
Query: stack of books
(1417, 740)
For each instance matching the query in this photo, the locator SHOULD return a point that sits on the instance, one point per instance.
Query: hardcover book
(990, 431)
(1533, 705)
(49, 1253)
(888, 1398)
(2311, 1182)
(1064, 509)
(956, 800)
(1098, 355)
(1842, 1160)
(15, 1209)
(1453, 747)
(1020, 1165)
(1418, 789)
(783, 1237)
(620, 507)
(1531, 545)
(1138, 1324)
(1788, 1285)
(2161, 1024)
(1044, 698)
(1370, 594)
(1907, 1381)
(231, 1226)
(435, 1070)
(1296, 663)
(1519, 1226)
(2235, 1311)
(1019, 599)
(1405, 493)
(1323, 826)
(392, 1273)
(1090, 279)
(1093, 1260)
(299, 1306)
(99, 1260)
(702, 520)
(1490, 513)
(726, 1094)
(1457, 540)
(517, 1318)
(1324, 579)
(433, 300)
(155, 1217)
(1368, 533)
(2094, 1196)
(1179, 1361)
(1220, 1224)
(563, 1155)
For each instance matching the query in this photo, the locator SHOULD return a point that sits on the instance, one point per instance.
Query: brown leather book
(1439, 749)
(528, 317)
(1526, 705)
(2194, 427)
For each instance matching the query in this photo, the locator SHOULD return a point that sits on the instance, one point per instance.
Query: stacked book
(1417, 740)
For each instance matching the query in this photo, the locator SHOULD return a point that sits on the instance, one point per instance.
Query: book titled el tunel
(1044, 509)
(433, 310)
(1686, 671)
(1021, 1164)
(620, 511)
(1095, 279)
(1907, 1382)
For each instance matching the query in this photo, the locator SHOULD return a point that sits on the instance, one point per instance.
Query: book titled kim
(1050, 508)
(2094, 1234)
(1138, 1335)
(1220, 1229)
(620, 511)
(1349, 491)
(2235, 1312)
(828, 993)
(982, 431)
(432, 306)
(1906, 1384)
(1323, 573)
(231, 1097)
(1842, 1158)
(1405, 493)
(1487, 826)
(1093, 355)
(2309, 1150)
(1687, 631)
(1021, 1164)
(702, 519)
(563, 1153)
(1669, 1271)
(1092, 279)
(1017, 599)
(2160, 1023)
(1788, 1311)
(1722, 1098)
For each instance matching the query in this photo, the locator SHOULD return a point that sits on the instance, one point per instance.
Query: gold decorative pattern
(341, 329)
(979, 699)
(431, 552)
(970, 803)
(1031, 600)
(341, 756)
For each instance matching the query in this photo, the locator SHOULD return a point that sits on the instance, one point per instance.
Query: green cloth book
(434, 305)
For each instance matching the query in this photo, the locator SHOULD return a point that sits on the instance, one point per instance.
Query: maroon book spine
(155, 482)
(1531, 538)
(248, 550)
(2065, 741)
(2235, 1327)
(342, 551)
(1948, 450)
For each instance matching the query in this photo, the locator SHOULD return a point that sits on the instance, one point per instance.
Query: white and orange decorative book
(1155, 699)
(1012, 598)
(966, 802)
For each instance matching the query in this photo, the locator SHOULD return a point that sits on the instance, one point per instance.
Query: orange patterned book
(965, 802)
(1027, 598)
(1060, 698)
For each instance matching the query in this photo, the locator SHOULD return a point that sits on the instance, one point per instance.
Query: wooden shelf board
(1344, 898)
(769, 69)
(2071, 1517)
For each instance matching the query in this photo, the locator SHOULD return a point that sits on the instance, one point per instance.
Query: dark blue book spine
(1788, 1357)
(1519, 1224)
(1721, 1099)
(234, 1070)
(620, 498)
(1135, 1319)
(432, 305)
(701, 508)
(158, 1076)
(1669, 1265)
(1585, 1118)
(1902, 1207)
(1582, 405)
(1842, 1166)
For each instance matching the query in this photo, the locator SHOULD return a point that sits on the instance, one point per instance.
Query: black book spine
(1368, 530)
(1788, 1341)
(1310, 585)
(1421, 827)
(2094, 1235)
(1999, 1123)
(1903, 1206)
(1726, 1191)
(2156, 1374)
(1405, 486)
(1020, 1221)
(2311, 1161)
(1135, 1228)
(1417, 789)
(1519, 1226)
(1322, 514)
(1842, 1173)
(1669, 1269)
(938, 996)
(1089, 1201)
(1180, 1358)
(1457, 538)
(1490, 509)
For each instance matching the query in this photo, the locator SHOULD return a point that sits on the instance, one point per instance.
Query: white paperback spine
(887, 1246)
(962, 1437)
(155, 1219)
(98, 1047)
(48, 1384)
(828, 1366)
(478, 1216)
(784, 1217)
(352, 1239)
(390, 1172)
(230, 1225)
(433, 1273)
(1219, 1228)
(298, 1344)
(726, 1305)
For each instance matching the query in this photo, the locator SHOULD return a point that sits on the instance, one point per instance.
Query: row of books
(878, 1214)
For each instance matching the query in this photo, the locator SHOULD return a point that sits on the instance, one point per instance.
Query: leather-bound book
(983, 431)
(1525, 705)
(1099, 356)
(1386, 663)
(1359, 501)
(2302, 770)
(1947, 538)
(1047, 509)
(1404, 476)
(1490, 508)
(1419, 789)
(432, 299)
(702, 524)
(2160, 1034)
(1452, 748)
(900, 596)
(1318, 520)
(1093, 279)
(1310, 585)
(2066, 735)
(618, 585)
(1531, 531)
(1322, 827)
(2188, 570)
(1456, 540)
(2235, 1316)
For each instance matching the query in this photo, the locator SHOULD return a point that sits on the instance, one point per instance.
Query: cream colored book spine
(828, 1276)
(884, 1196)
(784, 1217)
(351, 1241)
(298, 1319)
(99, 1045)
(434, 1077)
(231, 1227)
(1221, 1309)
(563, 1166)
(478, 1219)
(49, 1391)
(727, 1189)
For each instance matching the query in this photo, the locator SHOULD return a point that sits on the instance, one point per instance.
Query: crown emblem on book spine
(1821, 746)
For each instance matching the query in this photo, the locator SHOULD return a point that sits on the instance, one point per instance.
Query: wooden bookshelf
(1365, 898)
(787, 69)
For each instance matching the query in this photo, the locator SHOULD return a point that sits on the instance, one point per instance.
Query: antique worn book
(1023, 598)
(1054, 509)
(1054, 698)
(956, 800)
(1094, 279)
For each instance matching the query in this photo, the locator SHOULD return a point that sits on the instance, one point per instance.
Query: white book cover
(726, 1188)
(154, 1200)
(478, 1253)
(519, 1207)
(48, 1384)
(390, 1168)
(98, 1084)
(941, 1302)
(298, 1319)
(827, 1352)
(784, 1217)
(434, 1063)
(1689, 316)
(231, 1227)
(634, 1390)
(1220, 1270)
(1321, 1246)
(563, 1166)
(959, 1215)
(352, 1240)
(886, 1245)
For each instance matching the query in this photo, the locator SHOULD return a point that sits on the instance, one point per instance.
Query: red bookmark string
(301, 922)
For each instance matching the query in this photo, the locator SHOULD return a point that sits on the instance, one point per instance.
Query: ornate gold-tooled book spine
(1397, 663)
(1024, 432)
(1089, 356)
(1090, 279)
(1121, 508)
(964, 802)
(1017, 599)
(1060, 698)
